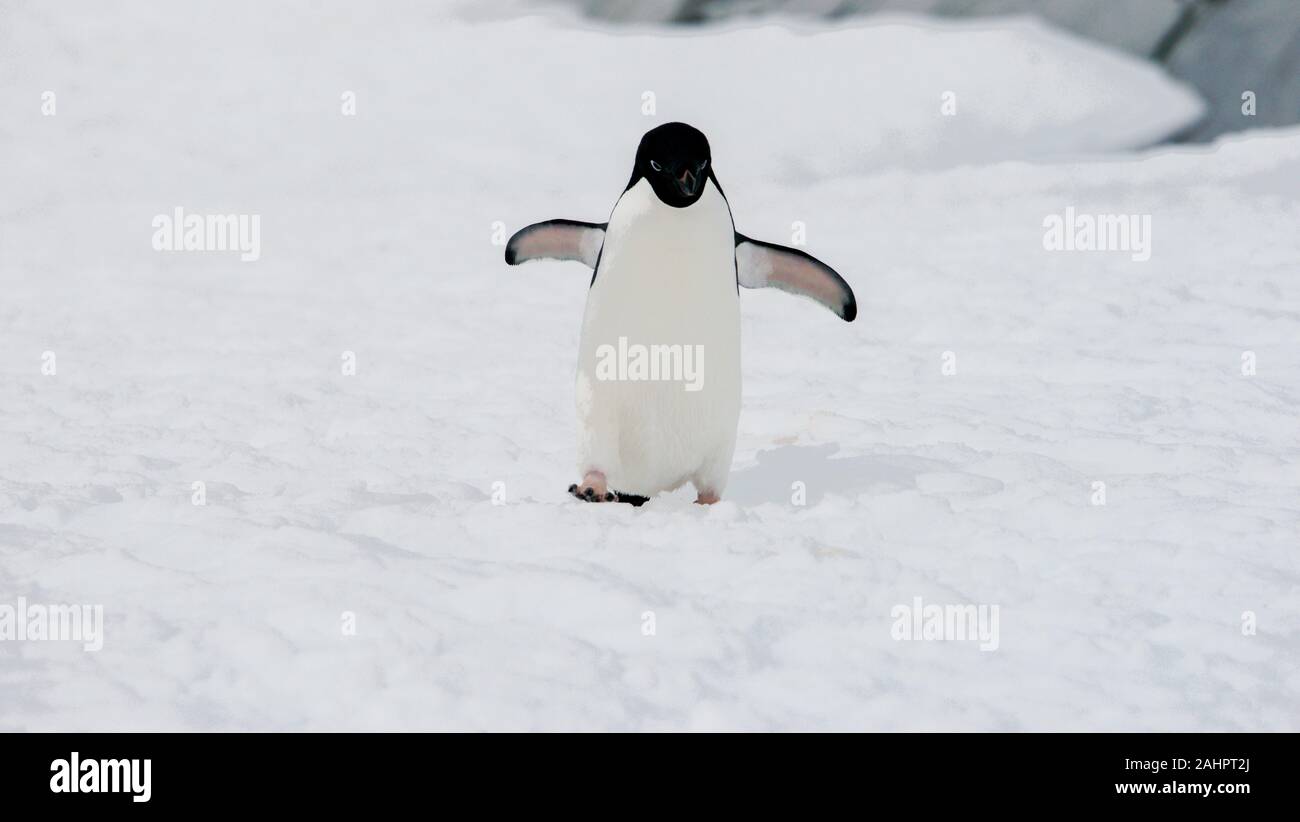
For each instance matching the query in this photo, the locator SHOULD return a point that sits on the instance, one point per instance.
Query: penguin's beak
(688, 183)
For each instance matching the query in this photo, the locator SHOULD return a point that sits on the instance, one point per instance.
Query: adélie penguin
(659, 360)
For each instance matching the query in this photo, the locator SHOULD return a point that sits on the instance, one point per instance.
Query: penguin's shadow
(773, 478)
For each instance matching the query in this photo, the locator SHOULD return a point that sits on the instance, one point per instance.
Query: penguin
(658, 377)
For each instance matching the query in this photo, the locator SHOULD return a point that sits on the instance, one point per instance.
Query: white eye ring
(655, 166)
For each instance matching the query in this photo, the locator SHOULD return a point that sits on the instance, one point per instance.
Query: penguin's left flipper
(766, 265)
(557, 240)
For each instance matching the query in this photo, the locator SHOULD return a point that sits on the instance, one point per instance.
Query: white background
(371, 494)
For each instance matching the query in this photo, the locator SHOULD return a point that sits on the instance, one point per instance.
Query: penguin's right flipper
(557, 240)
(767, 265)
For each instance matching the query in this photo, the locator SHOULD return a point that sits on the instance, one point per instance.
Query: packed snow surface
(395, 548)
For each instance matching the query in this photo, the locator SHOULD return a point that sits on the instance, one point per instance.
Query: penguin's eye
(656, 166)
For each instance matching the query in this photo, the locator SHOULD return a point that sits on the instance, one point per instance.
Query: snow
(332, 497)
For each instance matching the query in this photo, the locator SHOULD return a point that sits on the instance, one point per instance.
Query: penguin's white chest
(659, 360)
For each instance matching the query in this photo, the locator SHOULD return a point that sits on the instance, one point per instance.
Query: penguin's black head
(675, 159)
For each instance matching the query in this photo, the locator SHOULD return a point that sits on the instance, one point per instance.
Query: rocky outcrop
(1224, 48)
(1231, 48)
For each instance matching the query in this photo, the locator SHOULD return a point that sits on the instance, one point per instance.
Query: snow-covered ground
(370, 497)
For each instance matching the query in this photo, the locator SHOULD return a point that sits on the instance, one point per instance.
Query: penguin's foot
(706, 498)
(592, 488)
